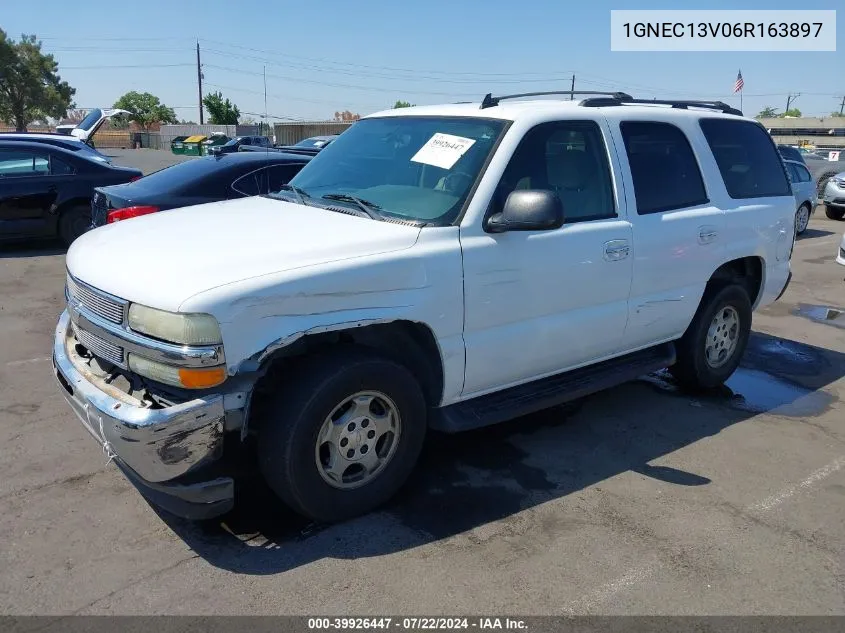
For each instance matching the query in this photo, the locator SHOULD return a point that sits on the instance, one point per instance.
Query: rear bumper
(840, 257)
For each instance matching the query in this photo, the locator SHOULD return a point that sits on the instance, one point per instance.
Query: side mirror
(528, 210)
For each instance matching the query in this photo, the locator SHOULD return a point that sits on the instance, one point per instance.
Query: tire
(693, 370)
(74, 222)
(822, 182)
(295, 466)
(803, 213)
(834, 214)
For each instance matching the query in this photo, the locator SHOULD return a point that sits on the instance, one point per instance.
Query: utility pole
(790, 98)
(842, 107)
(199, 81)
(572, 89)
(265, 101)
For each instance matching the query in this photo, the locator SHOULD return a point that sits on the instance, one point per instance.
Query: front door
(541, 302)
(26, 192)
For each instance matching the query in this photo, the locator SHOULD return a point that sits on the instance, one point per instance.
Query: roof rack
(683, 105)
(490, 101)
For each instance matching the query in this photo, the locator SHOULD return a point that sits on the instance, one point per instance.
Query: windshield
(92, 117)
(412, 167)
(233, 141)
(316, 141)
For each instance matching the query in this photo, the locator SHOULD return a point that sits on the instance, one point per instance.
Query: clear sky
(322, 56)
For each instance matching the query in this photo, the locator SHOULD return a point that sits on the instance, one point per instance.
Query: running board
(548, 392)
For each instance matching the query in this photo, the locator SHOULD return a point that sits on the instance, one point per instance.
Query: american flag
(739, 82)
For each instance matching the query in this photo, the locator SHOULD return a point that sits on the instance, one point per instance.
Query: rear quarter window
(749, 162)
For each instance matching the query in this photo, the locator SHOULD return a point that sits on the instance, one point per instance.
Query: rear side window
(803, 173)
(748, 161)
(663, 166)
(252, 184)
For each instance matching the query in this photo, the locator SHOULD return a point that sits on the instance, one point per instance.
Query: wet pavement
(646, 499)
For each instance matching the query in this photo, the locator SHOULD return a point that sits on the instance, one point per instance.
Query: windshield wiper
(300, 194)
(370, 208)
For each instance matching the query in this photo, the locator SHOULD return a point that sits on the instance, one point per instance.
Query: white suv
(443, 267)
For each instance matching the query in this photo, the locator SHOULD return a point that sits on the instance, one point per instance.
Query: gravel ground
(644, 502)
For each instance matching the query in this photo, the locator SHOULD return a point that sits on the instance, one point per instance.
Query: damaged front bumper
(163, 451)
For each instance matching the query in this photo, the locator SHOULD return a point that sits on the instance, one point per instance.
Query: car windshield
(412, 167)
(317, 141)
(233, 141)
(88, 122)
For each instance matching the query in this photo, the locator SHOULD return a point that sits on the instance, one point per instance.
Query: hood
(162, 259)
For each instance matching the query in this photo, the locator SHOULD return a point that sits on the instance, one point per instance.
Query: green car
(215, 140)
(177, 145)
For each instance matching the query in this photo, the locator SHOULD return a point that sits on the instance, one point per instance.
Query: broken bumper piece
(162, 451)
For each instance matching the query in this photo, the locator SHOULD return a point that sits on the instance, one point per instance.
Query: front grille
(95, 301)
(98, 347)
(99, 209)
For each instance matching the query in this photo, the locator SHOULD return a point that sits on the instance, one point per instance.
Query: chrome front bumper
(157, 444)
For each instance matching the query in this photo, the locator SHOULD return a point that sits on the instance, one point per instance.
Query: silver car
(834, 196)
(804, 190)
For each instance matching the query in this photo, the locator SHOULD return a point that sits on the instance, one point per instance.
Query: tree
(30, 87)
(767, 113)
(346, 115)
(76, 116)
(146, 109)
(792, 112)
(220, 111)
(402, 104)
(837, 114)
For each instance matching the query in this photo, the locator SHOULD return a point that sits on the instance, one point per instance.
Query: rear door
(678, 232)
(27, 192)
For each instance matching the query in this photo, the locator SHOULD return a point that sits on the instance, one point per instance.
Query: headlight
(187, 329)
(188, 377)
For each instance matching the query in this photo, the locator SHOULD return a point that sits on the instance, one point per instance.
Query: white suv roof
(512, 110)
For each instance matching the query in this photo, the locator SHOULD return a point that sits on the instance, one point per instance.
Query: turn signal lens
(202, 378)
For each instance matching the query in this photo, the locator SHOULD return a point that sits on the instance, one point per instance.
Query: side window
(279, 175)
(803, 173)
(246, 141)
(663, 166)
(22, 163)
(252, 184)
(747, 158)
(790, 172)
(569, 158)
(59, 167)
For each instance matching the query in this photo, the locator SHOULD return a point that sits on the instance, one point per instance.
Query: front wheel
(74, 222)
(342, 437)
(710, 350)
(834, 214)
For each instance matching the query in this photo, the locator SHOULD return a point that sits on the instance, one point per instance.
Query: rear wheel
(711, 348)
(74, 222)
(802, 219)
(342, 437)
(834, 213)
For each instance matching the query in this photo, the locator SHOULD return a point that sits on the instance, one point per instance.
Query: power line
(123, 66)
(291, 98)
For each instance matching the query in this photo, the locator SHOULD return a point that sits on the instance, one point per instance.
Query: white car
(804, 189)
(438, 267)
(87, 127)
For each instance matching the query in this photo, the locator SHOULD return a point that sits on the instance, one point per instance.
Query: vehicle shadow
(33, 248)
(466, 482)
(812, 233)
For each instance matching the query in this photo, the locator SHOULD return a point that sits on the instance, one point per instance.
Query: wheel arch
(749, 271)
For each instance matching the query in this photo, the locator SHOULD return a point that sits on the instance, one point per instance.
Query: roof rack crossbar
(681, 104)
(490, 101)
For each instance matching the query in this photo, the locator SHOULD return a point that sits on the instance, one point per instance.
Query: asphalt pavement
(645, 501)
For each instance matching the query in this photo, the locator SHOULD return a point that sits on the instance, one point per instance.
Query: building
(821, 132)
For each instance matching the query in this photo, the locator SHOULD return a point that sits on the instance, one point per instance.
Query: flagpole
(740, 101)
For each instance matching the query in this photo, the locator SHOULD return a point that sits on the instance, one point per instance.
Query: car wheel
(822, 182)
(74, 222)
(802, 219)
(342, 437)
(834, 214)
(710, 350)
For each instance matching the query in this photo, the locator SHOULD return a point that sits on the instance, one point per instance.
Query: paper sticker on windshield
(443, 150)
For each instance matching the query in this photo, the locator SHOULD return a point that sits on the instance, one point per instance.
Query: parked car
(840, 256)
(308, 147)
(87, 127)
(834, 196)
(241, 142)
(788, 152)
(215, 140)
(177, 145)
(804, 190)
(224, 177)
(58, 140)
(439, 267)
(823, 169)
(46, 190)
